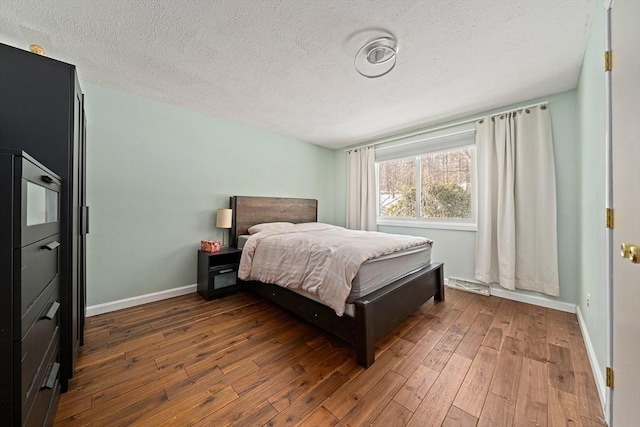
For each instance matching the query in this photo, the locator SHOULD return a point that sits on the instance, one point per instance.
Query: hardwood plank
(435, 406)
(304, 406)
(414, 357)
(519, 327)
(531, 405)
(563, 408)
(456, 417)
(257, 416)
(491, 305)
(493, 338)
(504, 315)
(473, 391)
(588, 422)
(417, 326)
(506, 379)
(187, 409)
(416, 388)
(200, 356)
(341, 402)
(439, 356)
(536, 339)
(468, 316)
(243, 405)
(393, 415)
(307, 380)
(561, 373)
(374, 401)
(68, 408)
(320, 417)
(475, 335)
(585, 384)
(206, 380)
(497, 411)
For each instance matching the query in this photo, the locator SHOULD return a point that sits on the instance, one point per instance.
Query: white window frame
(431, 146)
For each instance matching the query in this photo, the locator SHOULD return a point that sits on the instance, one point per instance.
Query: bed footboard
(380, 312)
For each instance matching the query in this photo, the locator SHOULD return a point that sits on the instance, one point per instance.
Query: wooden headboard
(248, 211)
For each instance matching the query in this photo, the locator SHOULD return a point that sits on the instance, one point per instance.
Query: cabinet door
(77, 238)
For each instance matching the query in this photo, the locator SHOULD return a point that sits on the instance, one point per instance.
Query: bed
(373, 315)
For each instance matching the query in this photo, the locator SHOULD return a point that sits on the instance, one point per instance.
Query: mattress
(377, 272)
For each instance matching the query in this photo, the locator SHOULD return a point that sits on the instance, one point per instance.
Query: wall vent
(469, 286)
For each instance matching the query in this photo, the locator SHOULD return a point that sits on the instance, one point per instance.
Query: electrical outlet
(588, 300)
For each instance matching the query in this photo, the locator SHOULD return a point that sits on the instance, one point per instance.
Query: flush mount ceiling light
(377, 57)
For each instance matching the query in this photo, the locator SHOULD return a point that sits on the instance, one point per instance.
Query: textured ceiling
(287, 66)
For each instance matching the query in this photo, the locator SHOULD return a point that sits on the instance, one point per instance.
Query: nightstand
(218, 272)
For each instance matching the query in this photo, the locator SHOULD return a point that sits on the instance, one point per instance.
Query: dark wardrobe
(42, 114)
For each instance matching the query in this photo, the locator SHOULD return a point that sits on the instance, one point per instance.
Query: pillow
(269, 226)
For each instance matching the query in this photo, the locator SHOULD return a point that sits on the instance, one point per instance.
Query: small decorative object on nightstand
(218, 272)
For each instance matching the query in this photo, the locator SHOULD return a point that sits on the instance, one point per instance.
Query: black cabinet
(42, 113)
(218, 272)
(30, 270)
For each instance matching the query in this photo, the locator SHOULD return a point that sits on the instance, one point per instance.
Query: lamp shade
(223, 218)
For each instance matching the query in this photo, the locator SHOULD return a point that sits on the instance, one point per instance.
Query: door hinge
(607, 60)
(609, 377)
(609, 221)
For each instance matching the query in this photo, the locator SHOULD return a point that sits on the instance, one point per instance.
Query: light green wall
(457, 248)
(591, 103)
(156, 175)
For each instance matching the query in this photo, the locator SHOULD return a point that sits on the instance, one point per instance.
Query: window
(429, 182)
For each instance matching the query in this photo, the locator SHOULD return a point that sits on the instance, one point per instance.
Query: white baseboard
(533, 299)
(107, 307)
(597, 370)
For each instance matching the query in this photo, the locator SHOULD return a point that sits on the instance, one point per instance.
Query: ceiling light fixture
(377, 57)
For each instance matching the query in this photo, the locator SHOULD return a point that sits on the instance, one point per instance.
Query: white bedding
(321, 259)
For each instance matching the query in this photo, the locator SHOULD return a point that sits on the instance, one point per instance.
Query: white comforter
(321, 259)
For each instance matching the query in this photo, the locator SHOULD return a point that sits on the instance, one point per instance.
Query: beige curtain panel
(516, 241)
(361, 189)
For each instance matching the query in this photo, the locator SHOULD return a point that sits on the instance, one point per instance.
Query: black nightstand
(218, 272)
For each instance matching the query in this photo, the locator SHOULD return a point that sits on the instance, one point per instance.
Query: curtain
(361, 189)
(516, 241)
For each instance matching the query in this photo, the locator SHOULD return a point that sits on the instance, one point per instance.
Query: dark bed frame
(376, 314)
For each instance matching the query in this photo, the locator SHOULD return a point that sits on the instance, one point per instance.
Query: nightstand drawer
(223, 276)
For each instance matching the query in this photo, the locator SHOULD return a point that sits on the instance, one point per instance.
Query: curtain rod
(434, 129)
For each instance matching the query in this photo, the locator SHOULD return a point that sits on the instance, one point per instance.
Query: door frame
(608, 131)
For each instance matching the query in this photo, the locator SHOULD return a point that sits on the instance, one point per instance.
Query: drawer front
(34, 312)
(41, 203)
(37, 340)
(46, 389)
(40, 263)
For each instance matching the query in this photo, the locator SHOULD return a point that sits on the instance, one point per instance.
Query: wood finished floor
(471, 360)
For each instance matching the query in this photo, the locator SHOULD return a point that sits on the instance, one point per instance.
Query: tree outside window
(444, 184)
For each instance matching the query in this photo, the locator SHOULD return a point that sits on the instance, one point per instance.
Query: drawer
(40, 203)
(40, 263)
(38, 338)
(37, 403)
(34, 312)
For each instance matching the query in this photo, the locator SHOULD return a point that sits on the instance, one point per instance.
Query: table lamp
(223, 220)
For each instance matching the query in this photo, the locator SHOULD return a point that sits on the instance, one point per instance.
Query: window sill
(459, 226)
